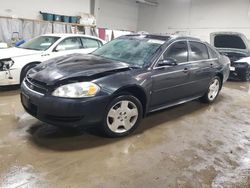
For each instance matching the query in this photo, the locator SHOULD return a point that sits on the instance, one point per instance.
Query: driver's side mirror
(167, 62)
(59, 48)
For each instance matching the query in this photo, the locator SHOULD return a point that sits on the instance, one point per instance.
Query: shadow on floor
(53, 138)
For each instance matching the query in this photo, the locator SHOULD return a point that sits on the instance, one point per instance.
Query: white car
(17, 61)
(236, 46)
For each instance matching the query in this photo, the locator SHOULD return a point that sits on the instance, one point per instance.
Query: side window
(198, 51)
(100, 43)
(212, 53)
(72, 43)
(177, 51)
(90, 43)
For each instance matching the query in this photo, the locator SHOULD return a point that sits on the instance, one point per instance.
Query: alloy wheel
(122, 116)
(214, 89)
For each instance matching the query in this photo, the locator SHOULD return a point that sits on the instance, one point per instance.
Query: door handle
(161, 68)
(45, 55)
(186, 70)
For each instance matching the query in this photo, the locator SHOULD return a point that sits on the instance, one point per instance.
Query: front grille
(35, 85)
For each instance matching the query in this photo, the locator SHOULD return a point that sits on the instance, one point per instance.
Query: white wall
(117, 14)
(30, 8)
(196, 17)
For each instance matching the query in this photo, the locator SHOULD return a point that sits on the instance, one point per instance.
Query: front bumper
(238, 71)
(9, 78)
(63, 111)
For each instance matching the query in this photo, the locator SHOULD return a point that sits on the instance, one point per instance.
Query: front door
(171, 83)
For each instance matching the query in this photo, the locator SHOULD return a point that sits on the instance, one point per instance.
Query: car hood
(75, 67)
(16, 52)
(242, 38)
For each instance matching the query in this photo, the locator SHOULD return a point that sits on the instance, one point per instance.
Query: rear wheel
(213, 90)
(26, 70)
(122, 116)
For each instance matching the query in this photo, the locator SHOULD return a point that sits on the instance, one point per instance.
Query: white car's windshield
(134, 51)
(41, 43)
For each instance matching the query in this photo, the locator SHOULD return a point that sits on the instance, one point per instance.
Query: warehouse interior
(190, 144)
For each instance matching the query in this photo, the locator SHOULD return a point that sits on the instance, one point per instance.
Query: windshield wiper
(135, 67)
(29, 48)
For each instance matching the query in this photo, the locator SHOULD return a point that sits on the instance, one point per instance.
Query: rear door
(202, 67)
(171, 83)
(90, 44)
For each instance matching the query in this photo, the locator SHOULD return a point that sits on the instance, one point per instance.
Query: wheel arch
(136, 91)
(27, 65)
(220, 75)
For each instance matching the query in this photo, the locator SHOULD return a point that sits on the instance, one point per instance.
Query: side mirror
(167, 62)
(59, 48)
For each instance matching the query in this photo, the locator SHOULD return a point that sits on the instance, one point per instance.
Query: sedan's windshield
(134, 51)
(41, 43)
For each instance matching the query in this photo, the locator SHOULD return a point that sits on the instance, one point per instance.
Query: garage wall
(196, 17)
(30, 8)
(117, 14)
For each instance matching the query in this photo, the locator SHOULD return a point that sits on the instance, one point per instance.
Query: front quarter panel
(12, 77)
(120, 81)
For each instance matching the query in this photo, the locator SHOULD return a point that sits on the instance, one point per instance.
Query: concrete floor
(192, 145)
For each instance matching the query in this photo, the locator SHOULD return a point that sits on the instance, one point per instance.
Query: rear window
(198, 51)
(212, 52)
(229, 41)
(90, 43)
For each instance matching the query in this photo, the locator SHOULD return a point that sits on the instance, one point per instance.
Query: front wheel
(122, 116)
(213, 90)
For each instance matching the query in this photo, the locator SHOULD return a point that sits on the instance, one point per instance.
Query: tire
(25, 70)
(123, 115)
(246, 76)
(210, 96)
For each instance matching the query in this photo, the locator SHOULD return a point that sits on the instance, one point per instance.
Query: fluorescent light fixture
(151, 3)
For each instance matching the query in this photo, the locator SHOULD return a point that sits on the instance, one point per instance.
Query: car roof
(63, 35)
(165, 37)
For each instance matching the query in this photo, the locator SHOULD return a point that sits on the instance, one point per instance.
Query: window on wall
(198, 51)
(177, 51)
(90, 43)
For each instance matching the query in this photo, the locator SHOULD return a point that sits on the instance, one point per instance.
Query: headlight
(77, 90)
(5, 64)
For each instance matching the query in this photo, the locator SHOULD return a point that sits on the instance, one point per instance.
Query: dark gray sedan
(118, 84)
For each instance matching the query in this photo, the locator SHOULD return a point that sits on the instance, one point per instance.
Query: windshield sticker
(156, 41)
